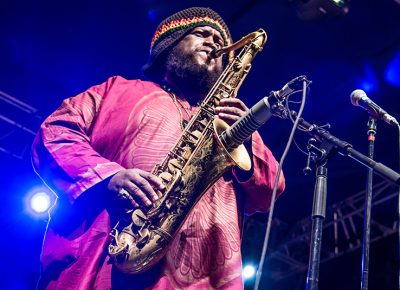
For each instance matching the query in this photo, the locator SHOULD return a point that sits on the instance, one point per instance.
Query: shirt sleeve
(62, 154)
(258, 188)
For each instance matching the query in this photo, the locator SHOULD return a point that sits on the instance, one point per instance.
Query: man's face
(199, 43)
(189, 61)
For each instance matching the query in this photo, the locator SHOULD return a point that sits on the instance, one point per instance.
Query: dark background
(51, 50)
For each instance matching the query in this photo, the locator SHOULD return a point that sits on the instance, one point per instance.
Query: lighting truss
(342, 232)
(18, 124)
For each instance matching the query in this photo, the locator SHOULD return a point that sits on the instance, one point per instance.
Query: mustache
(208, 49)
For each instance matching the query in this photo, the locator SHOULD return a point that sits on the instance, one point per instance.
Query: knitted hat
(174, 28)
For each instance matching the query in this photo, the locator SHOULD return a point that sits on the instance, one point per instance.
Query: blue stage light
(248, 272)
(392, 72)
(367, 86)
(369, 82)
(40, 202)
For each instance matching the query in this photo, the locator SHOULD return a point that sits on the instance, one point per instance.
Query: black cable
(398, 206)
(272, 205)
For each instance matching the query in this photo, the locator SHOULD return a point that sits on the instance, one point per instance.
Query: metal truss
(342, 232)
(18, 124)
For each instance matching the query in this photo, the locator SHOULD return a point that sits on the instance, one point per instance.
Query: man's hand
(230, 110)
(140, 185)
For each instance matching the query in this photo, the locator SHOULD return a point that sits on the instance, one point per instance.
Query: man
(108, 139)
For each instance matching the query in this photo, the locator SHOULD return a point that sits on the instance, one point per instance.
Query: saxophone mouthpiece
(215, 53)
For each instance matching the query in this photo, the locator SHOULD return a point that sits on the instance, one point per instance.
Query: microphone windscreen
(357, 95)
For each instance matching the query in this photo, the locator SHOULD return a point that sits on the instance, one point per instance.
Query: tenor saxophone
(198, 159)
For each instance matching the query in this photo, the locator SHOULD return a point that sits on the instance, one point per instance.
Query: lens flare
(40, 202)
(248, 272)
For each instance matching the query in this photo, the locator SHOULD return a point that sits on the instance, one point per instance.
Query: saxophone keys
(166, 177)
(186, 152)
(144, 237)
(194, 136)
(168, 204)
(173, 165)
(224, 94)
(138, 218)
(203, 122)
(237, 66)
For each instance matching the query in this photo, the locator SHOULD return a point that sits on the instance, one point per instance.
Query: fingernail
(148, 203)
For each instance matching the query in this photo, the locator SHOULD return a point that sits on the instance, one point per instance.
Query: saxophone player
(104, 142)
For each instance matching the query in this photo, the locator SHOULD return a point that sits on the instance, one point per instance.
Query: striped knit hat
(174, 28)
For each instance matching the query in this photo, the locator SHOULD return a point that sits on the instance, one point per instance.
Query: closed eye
(206, 33)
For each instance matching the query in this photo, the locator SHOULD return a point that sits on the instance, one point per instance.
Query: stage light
(248, 272)
(369, 81)
(317, 9)
(40, 202)
(392, 72)
(367, 86)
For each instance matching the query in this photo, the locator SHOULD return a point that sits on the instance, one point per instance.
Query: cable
(299, 148)
(295, 102)
(398, 204)
(272, 205)
(291, 117)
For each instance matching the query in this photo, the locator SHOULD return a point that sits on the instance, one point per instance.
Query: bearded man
(109, 138)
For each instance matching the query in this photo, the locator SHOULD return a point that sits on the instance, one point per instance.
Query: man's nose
(211, 40)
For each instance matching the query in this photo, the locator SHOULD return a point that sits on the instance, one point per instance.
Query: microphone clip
(278, 99)
(278, 107)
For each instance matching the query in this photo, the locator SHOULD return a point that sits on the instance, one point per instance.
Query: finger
(229, 119)
(140, 178)
(134, 203)
(124, 194)
(146, 187)
(135, 190)
(233, 102)
(154, 180)
(229, 111)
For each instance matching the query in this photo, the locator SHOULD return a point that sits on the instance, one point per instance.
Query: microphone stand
(367, 207)
(330, 145)
(321, 157)
(346, 149)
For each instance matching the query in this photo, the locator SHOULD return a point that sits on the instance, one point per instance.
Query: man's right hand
(140, 185)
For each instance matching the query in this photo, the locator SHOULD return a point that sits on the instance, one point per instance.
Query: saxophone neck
(258, 37)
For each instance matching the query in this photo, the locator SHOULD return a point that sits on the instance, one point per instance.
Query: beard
(187, 72)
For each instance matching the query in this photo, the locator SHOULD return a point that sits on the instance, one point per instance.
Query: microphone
(359, 98)
(268, 106)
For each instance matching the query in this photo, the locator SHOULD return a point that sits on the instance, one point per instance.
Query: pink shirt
(133, 124)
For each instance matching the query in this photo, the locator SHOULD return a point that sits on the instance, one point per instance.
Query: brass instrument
(196, 162)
